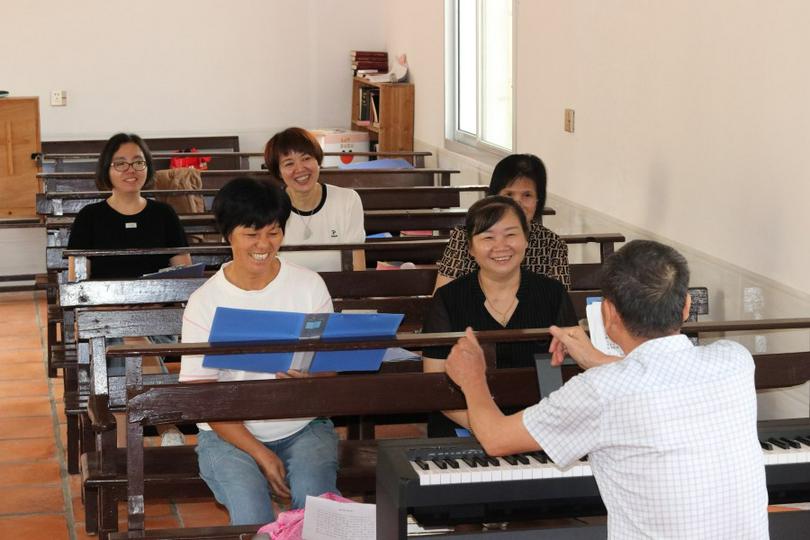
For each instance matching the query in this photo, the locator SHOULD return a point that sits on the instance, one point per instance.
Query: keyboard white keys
(439, 471)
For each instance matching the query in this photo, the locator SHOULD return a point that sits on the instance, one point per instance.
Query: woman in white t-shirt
(245, 462)
(321, 214)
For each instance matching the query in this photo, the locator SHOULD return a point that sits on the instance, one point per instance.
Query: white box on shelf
(344, 141)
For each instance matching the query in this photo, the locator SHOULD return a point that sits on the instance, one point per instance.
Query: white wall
(692, 127)
(248, 67)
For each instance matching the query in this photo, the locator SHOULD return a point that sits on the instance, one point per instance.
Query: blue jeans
(309, 456)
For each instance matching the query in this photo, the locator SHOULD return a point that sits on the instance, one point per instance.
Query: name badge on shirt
(131, 225)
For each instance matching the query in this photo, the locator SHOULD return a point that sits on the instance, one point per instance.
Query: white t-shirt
(338, 219)
(671, 436)
(294, 289)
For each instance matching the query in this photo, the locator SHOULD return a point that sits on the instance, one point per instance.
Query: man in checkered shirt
(670, 428)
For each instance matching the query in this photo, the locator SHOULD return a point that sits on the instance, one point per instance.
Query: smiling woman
(244, 462)
(321, 214)
(499, 294)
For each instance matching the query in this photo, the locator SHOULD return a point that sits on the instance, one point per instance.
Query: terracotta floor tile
(400, 431)
(38, 472)
(21, 355)
(26, 326)
(24, 406)
(27, 370)
(23, 388)
(212, 519)
(25, 428)
(41, 527)
(20, 342)
(27, 499)
(27, 450)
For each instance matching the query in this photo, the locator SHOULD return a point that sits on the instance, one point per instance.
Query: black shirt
(98, 226)
(542, 302)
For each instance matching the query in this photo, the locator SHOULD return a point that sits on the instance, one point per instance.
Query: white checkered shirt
(671, 436)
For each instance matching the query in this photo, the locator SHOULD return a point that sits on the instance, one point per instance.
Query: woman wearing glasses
(126, 219)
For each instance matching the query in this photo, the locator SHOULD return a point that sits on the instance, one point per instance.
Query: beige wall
(246, 67)
(692, 127)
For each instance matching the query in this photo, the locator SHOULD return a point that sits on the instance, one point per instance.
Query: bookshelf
(391, 128)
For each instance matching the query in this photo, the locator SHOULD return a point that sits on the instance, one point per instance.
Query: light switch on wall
(569, 120)
(58, 98)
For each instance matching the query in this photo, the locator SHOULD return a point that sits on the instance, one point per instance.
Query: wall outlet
(569, 120)
(58, 98)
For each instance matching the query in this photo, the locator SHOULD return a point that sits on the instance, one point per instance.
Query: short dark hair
(517, 166)
(112, 145)
(250, 202)
(647, 282)
(486, 212)
(294, 139)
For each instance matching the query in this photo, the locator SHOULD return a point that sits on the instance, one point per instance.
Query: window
(480, 53)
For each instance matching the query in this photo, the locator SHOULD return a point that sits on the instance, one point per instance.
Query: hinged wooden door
(19, 138)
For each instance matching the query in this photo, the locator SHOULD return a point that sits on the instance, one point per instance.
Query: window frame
(454, 137)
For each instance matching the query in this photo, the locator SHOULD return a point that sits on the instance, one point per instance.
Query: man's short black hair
(647, 282)
(115, 142)
(488, 211)
(250, 202)
(517, 166)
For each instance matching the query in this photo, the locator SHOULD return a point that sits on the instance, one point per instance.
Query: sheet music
(596, 327)
(332, 520)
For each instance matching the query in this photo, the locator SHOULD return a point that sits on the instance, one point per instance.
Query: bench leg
(52, 340)
(87, 439)
(360, 428)
(107, 513)
(90, 497)
(72, 443)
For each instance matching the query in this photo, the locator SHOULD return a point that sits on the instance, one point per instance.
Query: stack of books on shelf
(369, 99)
(369, 62)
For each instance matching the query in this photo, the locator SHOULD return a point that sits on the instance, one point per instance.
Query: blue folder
(232, 325)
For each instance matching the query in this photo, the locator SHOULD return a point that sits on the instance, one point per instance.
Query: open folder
(245, 325)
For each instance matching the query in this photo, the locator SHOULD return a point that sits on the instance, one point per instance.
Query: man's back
(671, 435)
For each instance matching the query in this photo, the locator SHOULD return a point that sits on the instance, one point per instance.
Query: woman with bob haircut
(499, 294)
(245, 462)
(521, 177)
(321, 214)
(126, 219)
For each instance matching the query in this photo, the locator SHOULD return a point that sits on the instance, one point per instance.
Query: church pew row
(421, 250)
(350, 178)
(385, 393)
(374, 198)
(402, 291)
(60, 162)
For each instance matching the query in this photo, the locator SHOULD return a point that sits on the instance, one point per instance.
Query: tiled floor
(38, 499)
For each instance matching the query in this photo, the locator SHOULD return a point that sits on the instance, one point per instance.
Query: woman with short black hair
(244, 462)
(498, 295)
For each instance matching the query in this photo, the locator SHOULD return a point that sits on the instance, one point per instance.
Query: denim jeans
(309, 457)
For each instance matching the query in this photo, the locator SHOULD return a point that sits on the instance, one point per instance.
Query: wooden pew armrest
(99, 412)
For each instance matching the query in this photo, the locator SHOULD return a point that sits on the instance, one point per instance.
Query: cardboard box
(344, 141)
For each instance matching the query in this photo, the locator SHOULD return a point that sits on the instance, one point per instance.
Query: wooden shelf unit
(395, 129)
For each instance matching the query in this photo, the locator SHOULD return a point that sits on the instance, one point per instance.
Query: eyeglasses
(123, 166)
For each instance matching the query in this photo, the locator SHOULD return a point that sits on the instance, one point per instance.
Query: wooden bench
(350, 178)
(70, 151)
(61, 162)
(404, 291)
(394, 393)
(61, 203)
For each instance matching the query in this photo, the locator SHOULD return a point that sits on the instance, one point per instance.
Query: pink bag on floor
(289, 525)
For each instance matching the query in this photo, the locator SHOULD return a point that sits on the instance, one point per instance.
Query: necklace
(503, 316)
(307, 229)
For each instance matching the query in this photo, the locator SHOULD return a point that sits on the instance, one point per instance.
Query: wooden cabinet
(19, 138)
(393, 130)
